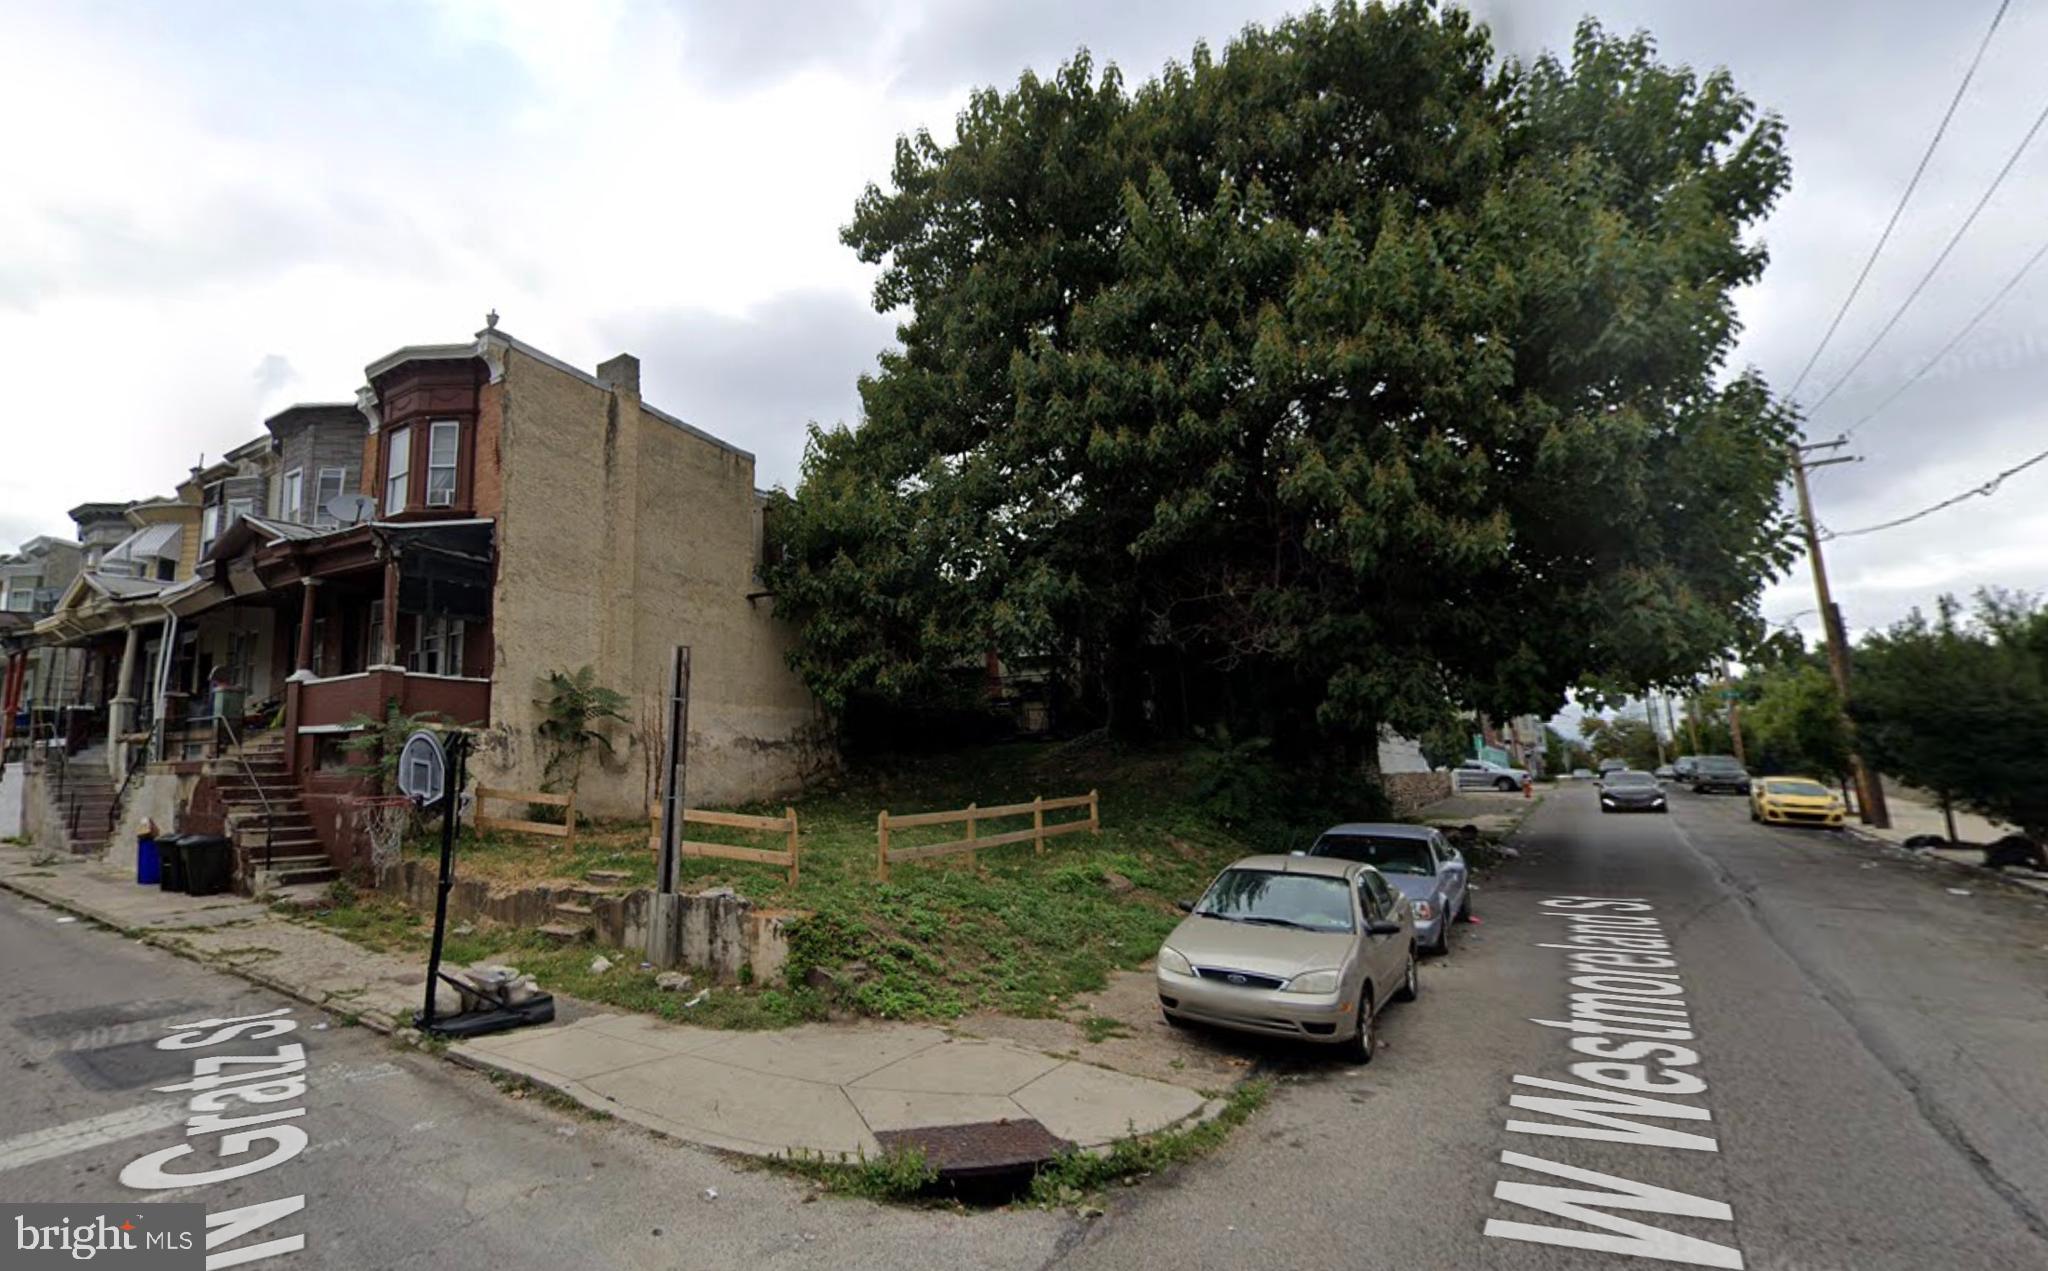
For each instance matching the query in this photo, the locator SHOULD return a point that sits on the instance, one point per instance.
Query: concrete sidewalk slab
(820, 1089)
(826, 1090)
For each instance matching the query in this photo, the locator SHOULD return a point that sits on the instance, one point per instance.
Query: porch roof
(258, 557)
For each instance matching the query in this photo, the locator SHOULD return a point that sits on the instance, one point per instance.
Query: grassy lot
(1013, 931)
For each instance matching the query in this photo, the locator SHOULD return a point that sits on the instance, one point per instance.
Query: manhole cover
(985, 1147)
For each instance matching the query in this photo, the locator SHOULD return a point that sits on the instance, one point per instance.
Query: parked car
(1682, 767)
(1419, 862)
(1719, 772)
(1484, 774)
(1666, 773)
(1795, 801)
(1632, 792)
(1307, 947)
(1613, 765)
(1582, 774)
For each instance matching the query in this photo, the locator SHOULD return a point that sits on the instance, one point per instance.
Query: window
(21, 594)
(441, 438)
(329, 489)
(291, 495)
(319, 659)
(437, 646)
(209, 527)
(397, 471)
(375, 644)
(237, 509)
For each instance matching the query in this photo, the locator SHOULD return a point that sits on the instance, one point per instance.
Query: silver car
(1419, 862)
(1292, 946)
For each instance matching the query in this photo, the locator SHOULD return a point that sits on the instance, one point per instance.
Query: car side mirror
(1185, 906)
(1383, 928)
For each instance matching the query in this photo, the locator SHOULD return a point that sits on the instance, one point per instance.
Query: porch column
(121, 710)
(308, 590)
(387, 647)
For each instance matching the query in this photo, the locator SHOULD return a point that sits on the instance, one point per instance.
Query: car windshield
(1630, 780)
(1719, 765)
(1390, 853)
(1313, 902)
(1802, 789)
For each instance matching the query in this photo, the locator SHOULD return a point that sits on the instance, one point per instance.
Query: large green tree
(1958, 706)
(1793, 721)
(1339, 381)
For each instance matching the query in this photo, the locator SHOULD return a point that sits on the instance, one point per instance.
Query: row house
(481, 515)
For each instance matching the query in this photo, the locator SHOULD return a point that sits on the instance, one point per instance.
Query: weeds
(1076, 1177)
(893, 1176)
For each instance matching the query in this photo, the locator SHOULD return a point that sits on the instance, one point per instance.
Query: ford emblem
(1235, 978)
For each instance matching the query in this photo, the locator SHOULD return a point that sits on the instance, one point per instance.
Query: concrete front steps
(87, 804)
(275, 844)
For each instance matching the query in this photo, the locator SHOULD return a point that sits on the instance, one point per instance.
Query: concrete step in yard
(564, 933)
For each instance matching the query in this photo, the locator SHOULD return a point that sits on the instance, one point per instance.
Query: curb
(375, 1020)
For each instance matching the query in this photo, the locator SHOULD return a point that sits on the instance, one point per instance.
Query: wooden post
(387, 644)
(1095, 812)
(972, 863)
(790, 812)
(1038, 824)
(569, 816)
(882, 845)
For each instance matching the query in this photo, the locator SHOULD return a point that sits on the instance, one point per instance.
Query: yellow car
(1795, 801)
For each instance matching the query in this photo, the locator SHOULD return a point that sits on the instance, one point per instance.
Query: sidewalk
(1913, 813)
(831, 1091)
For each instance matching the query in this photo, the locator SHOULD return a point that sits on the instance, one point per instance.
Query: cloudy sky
(212, 210)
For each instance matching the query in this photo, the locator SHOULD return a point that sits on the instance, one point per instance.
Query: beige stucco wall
(622, 536)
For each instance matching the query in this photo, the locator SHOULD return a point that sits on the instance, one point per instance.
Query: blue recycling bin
(148, 864)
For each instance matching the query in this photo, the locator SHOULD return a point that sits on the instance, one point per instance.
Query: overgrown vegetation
(893, 1176)
(375, 743)
(1012, 931)
(575, 710)
(1075, 1178)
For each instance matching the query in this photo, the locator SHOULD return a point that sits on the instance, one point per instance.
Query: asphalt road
(1873, 1048)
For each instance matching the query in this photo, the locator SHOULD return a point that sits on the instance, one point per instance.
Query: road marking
(63, 1140)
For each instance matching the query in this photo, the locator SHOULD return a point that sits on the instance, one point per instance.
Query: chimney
(622, 373)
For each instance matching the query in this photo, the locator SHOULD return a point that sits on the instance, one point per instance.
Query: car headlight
(1171, 959)
(1424, 911)
(1313, 982)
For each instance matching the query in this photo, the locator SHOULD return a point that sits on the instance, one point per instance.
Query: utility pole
(1734, 713)
(1869, 792)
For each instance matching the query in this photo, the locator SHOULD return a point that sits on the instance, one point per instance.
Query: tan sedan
(1306, 947)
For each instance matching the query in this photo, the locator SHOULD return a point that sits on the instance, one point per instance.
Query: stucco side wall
(753, 725)
(620, 536)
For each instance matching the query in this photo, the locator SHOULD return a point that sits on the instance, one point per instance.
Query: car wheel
(1364, 1042)
(1464, 913)
(1411, 984)
(1440, 946)
(1505, 785)
(1172, 1020)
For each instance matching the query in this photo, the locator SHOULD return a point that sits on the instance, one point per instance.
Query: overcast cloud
(213, 210)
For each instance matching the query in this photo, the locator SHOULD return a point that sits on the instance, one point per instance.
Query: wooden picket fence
(783, 825)
(972, 815)
(567, 802)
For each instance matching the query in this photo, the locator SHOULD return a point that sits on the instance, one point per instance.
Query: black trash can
(170, 874)
(209, 862)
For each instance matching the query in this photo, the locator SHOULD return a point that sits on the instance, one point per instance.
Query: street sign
(423, 769)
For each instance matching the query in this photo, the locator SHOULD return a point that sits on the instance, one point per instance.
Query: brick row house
(483, 514)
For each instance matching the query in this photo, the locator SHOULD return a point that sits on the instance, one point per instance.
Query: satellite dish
(350, 509)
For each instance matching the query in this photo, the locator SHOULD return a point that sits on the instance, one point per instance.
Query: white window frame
(291, 496)
(235, 509)
(397, 471)
(437, 645)
(209, 526)
(321, 497)
(453, 428)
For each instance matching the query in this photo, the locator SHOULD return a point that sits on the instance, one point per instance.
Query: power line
(1984, 490)
(1948, 348)
(1935, 268)
(1883, 238)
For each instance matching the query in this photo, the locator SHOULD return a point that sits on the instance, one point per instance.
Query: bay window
(441, 439)
(397, 471)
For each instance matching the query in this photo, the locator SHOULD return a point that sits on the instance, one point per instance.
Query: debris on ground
(697, 1000)
(600, 964)
(711, 1193)
(673, 981)
(1958, 891)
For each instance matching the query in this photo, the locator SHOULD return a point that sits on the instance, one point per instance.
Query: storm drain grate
(984, 1147)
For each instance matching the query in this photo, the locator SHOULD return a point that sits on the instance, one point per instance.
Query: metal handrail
(221, 724)
(136, 764)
